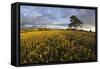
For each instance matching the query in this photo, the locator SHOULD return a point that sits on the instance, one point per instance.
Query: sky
(55, 17)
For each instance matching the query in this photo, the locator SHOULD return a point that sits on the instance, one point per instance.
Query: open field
(56, 46)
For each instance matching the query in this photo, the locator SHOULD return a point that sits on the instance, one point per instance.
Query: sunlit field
(47, 46)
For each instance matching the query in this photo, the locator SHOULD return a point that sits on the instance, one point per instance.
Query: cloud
(54, 17)
(55, 26)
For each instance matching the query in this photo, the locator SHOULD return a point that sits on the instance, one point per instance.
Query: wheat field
(56, 46)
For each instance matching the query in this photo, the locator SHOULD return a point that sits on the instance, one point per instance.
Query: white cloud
(56, 22)
(55, 26)
(28, 25)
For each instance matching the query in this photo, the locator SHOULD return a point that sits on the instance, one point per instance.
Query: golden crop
(56, 46)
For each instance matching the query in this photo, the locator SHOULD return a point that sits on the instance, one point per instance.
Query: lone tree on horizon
(75, 22)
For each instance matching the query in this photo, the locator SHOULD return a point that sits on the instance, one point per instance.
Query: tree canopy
(75, 22)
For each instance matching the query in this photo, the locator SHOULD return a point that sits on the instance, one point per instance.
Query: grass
(56, 46)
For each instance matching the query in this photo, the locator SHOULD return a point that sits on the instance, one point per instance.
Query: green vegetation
(39, 46)
(75, 22)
